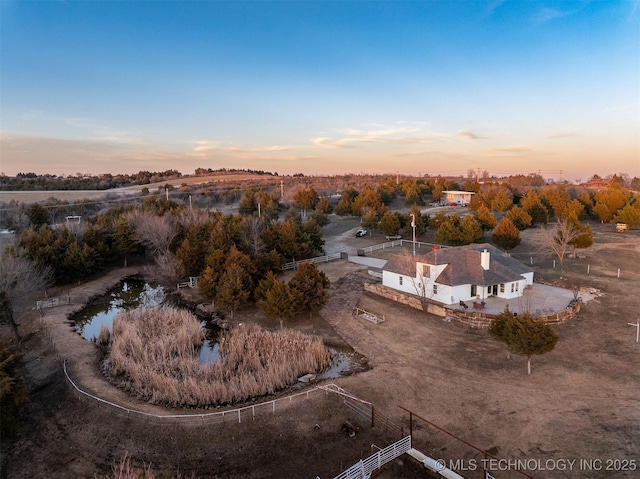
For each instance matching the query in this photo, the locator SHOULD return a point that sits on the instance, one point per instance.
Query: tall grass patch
(155, 354)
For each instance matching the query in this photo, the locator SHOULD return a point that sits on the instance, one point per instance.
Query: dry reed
(155, 354)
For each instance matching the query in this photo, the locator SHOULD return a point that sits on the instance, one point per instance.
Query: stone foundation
(472, 318)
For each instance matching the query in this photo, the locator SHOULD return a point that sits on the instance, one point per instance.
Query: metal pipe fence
(364, 468)
(318, 259)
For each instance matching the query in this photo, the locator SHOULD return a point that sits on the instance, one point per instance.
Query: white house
(458, 197)
(464, 273)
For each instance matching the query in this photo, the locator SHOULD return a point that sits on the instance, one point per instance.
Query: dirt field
(580, 404)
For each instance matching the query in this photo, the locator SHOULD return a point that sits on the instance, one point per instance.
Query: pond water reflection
(129, 294)
(132, 293)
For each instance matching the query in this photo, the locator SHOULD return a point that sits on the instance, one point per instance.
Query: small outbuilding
(461, 198)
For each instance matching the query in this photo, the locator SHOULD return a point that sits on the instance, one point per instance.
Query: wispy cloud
(564, 134)
(202, 146)
(81, 127)
(547, 14)
(404, 135)
(471, 135)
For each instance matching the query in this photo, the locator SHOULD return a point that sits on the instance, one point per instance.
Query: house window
(400, 280)
(502, 287)
(435, 289)
(516, 286)
(512, 287)
(426, 270)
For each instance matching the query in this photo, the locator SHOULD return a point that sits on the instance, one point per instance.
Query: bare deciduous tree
(190, 216)
(17, 277)
(167, 270)
(155, 232)
(556, 240)
(251, 229)
(419, 282)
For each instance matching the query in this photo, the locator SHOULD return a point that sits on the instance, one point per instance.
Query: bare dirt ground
(581, 402)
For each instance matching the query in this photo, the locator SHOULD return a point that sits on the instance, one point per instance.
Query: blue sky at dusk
(328, 87)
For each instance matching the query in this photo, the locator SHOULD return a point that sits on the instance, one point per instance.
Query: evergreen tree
(533, 205)
(13, 394)
(519, 217)
(630, 215)
(248, 204)
(505, 235)
(324, 206)
(485, 217)
(312, 236)
(449, 232)
(312, 284)
(280, 302)
(502, 201)
(421, 221)
(471, 230)
(523, 335)
(345, 204)
(234, 288)
(38, 215)
(305, 199)
(390, 223)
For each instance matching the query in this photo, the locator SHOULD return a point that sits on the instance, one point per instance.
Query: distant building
(597, 183)
(462, 198)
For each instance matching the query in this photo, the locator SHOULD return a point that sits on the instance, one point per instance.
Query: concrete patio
(538, 299)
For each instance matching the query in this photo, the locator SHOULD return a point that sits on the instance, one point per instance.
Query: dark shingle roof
(463, 265)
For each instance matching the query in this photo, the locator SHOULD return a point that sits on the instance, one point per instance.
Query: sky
(326, 87)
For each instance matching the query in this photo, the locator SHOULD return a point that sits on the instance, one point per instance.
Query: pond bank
(79, 354)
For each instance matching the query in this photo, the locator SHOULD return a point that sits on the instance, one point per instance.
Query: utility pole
(281, 189)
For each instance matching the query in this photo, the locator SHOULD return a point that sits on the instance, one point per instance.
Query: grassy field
(29, 197)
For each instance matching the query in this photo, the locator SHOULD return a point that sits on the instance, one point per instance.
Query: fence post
(373, 415)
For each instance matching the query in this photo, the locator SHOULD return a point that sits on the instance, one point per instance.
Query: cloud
(206, 145)
(547, 14)
(82, 127)
(472, 135)
(407, 135)
(564, 134)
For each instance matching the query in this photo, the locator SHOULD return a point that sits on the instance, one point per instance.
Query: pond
(132, 293)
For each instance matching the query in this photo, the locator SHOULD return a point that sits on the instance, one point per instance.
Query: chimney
(484, 259)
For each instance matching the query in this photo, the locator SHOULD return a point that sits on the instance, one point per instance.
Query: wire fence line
(217, 417)
(234, 415)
